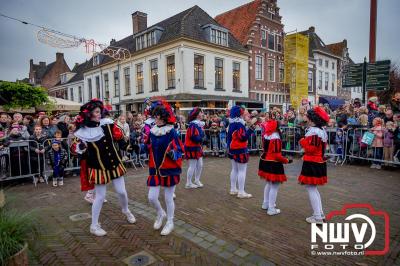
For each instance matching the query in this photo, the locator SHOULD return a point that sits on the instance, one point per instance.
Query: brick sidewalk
(212, 228)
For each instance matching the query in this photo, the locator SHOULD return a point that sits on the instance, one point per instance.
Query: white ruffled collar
(150, 121)
(89, 134)
(106, 121)
(274, 135)
(161, 131)
(317, 131)
(236, 120)
(198, 122)
(93, 134)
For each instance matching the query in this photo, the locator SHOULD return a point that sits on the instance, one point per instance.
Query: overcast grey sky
(103, 20)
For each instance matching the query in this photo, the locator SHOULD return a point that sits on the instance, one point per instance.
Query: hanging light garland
(62, 40)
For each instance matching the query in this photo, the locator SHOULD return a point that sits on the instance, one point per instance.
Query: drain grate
(80, 217)
(142, 258)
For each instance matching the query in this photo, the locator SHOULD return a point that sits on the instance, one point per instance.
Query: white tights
(315, 200)
(238, 175)
(270, 194)
(154, 192)
(100, 190)
(195, 168)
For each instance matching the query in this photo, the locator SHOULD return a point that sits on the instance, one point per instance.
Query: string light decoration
(62, 40)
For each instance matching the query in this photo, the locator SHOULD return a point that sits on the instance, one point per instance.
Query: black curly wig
(85, 114)
(316, 119)
(161, 111)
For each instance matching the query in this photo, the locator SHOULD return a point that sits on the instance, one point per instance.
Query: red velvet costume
(314, 145)
(271, 161)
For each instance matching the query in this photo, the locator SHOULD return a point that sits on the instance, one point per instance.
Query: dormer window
(148, 38)
(63, 78)
(96, 60)
(216, 34)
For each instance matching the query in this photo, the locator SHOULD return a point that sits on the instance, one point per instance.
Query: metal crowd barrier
(356, 149)
(19, 159)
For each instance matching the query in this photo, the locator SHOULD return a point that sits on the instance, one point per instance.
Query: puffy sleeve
(117, 132)
(196, 134)
(176, 149)
(312, 144)
(243, 134)
(276, 151)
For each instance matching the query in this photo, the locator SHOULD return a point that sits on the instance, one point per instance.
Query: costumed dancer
(165, 164)
(193, 148)
(271, 165)
(313, 172)
(237, 150)
(96, 139)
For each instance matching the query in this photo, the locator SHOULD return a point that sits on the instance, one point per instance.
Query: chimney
(59, 57)
(113, 41)
(76, 65)
(31, 63)
(42, 64)
(139, 21)
(311, 29)
(345, 43)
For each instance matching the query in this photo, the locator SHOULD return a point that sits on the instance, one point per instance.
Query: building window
(106, 86)
(71, 92)
(219, 37)
(116, 84)
(333, 65)
(90, 88)
(281, 71)
(65, 94)
(236, 76)
(326, 63)
(271, 69)
(320, 62)
(198, 71)
(279, 43)
(271, 41)
(310, 81)
(96, 60)
(263, 38)
(80, 94)
(259, 67)
(219, 74)
(333, 82)
(139, 78)
(98, 87)
(127, 81)
(154, 75)
(326, 80)
(171, 71)
(320, 80)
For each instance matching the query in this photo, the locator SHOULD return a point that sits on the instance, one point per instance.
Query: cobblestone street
(211, 227)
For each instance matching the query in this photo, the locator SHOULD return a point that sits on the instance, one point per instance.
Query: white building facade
(186, 70)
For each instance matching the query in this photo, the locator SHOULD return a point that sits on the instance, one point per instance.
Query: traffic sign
(378, 75)
(352, 75)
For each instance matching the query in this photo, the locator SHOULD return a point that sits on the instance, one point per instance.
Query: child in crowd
(332, 139)
(57, 159)
(377, 144)
(388, 147)
(214, 136)
(339, 140)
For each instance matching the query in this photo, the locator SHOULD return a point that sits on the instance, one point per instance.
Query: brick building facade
(45, 75)
(257, 25)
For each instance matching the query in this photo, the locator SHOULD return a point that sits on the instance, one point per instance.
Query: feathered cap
(236, 111)
(194, 113)
(318, 112)
(85, 111)
(163, 109)
(270, 127)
